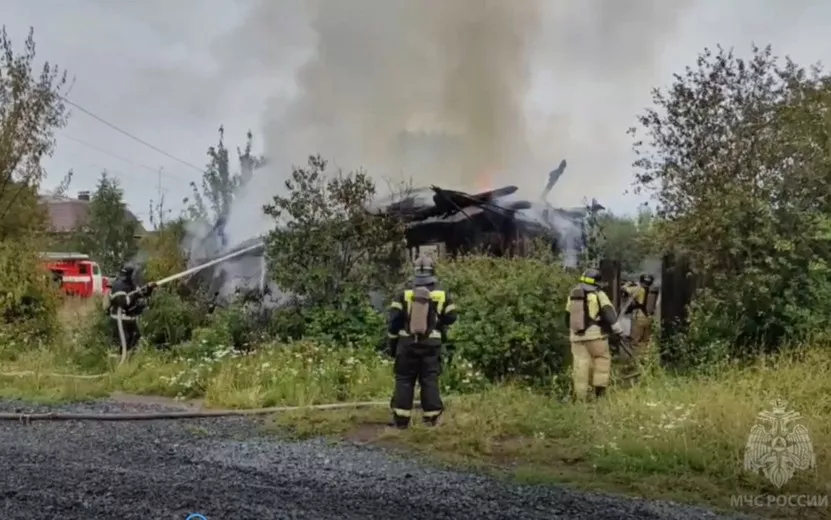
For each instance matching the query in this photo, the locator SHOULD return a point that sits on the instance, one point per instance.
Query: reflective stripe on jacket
(399, 312)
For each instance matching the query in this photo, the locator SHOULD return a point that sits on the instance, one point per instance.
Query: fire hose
(121, 335)
(173, 278)
(192, 414)
(213, 262)
(28, 417)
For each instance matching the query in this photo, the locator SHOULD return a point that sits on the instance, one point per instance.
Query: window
(96, 270)
(83, 269)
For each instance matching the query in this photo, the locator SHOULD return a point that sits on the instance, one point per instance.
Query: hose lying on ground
(192, 414)
(27, 373)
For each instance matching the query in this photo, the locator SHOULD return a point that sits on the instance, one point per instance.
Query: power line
(111, 154)
(131, 136)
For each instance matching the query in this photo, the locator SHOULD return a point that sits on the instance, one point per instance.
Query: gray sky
(532, 82)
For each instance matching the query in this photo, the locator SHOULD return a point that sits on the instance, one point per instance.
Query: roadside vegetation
(736, 157)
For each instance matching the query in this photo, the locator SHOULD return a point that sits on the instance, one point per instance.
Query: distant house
(67, 215)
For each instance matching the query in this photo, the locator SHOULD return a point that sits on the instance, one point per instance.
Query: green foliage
(31, 109)
(353, 322)
(736, 153)
(511, 315)
(163, 248)
(169, 319)
(627, 240)
(109, 233)
(219, 183)
(28, 298)
(326, 244)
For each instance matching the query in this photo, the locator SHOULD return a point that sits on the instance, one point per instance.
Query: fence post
(610, 271)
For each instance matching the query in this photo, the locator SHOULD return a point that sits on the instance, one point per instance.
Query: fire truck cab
(76, 274)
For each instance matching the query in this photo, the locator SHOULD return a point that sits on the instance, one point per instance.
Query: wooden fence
(678, 285)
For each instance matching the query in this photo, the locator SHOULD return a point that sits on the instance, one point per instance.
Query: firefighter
(590, 317)
(418, 319)
(643, 297)
(126, 303)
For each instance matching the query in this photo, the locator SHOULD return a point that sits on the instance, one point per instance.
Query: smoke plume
(437, 91)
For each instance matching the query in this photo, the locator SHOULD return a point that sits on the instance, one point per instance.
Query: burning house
(451, 221)
(490, 221)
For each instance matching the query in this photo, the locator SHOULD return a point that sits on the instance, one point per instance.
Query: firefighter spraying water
(127, 301)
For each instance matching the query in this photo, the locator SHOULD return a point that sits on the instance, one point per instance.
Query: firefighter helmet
(127, 271)
(591, 276)
(424, 271)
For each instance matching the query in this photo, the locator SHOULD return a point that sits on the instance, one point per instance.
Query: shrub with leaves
(170, 320)
(511, 315)
(31, 109)
(325, 243)
(353, 322)
(164, 252)
(736, 153)
(29, 299)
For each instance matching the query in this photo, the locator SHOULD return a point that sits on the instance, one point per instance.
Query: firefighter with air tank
(125, 304)
(590, 316)
(419, 318)
(642, 301)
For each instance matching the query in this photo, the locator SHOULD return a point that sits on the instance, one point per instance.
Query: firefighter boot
(431, 419)
(400, 421)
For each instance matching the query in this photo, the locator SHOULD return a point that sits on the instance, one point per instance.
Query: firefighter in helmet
(126, 303)
(418, 319)
(590, 317)
(643, 298)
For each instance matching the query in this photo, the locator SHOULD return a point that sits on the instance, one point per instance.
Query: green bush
(170, 320)
(510, 323)
(29, 300)
(353, 322)
(511, 316)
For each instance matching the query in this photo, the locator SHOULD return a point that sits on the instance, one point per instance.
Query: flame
(485, 180)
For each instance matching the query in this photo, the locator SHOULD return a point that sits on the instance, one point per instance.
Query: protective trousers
(591, 365)
(641, 336)
(421, 363)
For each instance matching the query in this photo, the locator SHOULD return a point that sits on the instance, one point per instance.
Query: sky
(514, 86)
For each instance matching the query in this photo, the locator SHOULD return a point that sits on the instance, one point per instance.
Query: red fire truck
(76, 274)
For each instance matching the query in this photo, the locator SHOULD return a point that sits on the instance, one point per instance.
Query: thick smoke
(431, 91)
(438, 92)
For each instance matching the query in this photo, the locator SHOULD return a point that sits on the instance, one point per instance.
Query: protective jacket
(124, 296)
(590, 314)
(125, 305)
(644, 300)
(436, 312)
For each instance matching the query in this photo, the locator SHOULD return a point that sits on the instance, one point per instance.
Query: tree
(620, 241)
(219, 183)
(738, 159)
(109, 234)
(326, 245)
(31, 109)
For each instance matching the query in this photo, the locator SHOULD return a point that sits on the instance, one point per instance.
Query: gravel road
(228, 469)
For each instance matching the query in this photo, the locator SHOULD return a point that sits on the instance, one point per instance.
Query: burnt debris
(489, 221)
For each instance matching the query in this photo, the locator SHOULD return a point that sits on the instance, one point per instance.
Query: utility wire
(111, 154)
(133, 137)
